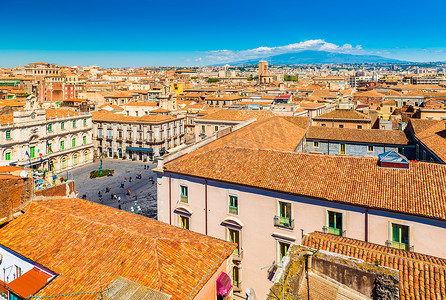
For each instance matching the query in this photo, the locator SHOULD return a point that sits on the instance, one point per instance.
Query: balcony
(398, 245)
(233, 210)
(283, 222)
(335, 231)
(237, 256)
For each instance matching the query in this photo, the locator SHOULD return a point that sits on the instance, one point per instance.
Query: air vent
(393, 160)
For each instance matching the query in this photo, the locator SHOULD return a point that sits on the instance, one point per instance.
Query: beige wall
(335, 124)
(259, 237)
(433, 114)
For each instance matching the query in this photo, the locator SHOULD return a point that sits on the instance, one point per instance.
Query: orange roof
(6, 119)
(346, 179)
(237, 115)
(29, 283)
(141, 103)
(91, 248)
(58, 112)
(7, 169)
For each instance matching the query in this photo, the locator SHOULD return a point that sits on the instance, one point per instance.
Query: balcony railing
(335, 231)
(237, 256)
(283, 222)
(398, 245)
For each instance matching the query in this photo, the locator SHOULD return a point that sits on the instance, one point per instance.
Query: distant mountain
(319, 57)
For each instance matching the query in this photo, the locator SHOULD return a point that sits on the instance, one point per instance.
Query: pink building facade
(265, 222)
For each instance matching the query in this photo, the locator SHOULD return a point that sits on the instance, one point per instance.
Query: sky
(187, 33)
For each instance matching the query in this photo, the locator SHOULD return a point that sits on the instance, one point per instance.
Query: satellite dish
(23, 174)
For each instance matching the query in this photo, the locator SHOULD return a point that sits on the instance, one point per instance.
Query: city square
(142, 191)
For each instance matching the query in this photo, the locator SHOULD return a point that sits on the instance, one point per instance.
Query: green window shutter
(74, 123)
(85, 140)
(62, 125)
(62, 145)
(8, 156)
(32, 151)
(85, 122)
(8, 134)
(73, 143)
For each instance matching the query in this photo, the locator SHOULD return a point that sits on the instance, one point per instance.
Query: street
(141, 190)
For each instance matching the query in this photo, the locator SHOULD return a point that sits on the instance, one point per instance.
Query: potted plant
(115, 156)
(133, 159)
(124, 157)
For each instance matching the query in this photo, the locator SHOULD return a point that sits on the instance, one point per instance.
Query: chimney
(160, 161)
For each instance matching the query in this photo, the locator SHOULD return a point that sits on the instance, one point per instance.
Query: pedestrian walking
(111, 196)
(122, 185)
(119, 199)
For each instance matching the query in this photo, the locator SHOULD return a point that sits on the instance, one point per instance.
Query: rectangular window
(73, 143)
(316, 144)
(85, 122)
(370, 148)
(62, 125)
(50, 127)
(342, 148)
(32, 152)
(184, 222)
(74, 123)
(85, 140)
(18, 271)
(203, 129)
(285, 214)
(323, 125)
(8, 156)
(400, 236)
(48, 151)
(216, 128)
(341, 126)
(234, 237)
(100, 133)
(233, 205)
(359, 126)
(335, 223)
(236, 276)
(62, 145)
(136, 113)
(283, 250)
(8, 134)
(184, 194)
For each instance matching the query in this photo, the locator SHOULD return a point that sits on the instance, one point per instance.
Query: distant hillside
(319, 57)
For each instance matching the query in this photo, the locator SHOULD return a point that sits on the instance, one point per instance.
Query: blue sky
(150, 33)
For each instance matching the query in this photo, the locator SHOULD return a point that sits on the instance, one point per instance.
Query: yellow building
(177, 88)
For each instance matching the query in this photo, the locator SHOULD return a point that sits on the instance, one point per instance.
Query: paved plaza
(142, 190)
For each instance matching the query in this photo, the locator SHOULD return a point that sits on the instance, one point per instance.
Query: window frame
(181, 194)
(279, 250)
(337, 211)
(8, 156)
(180, 220)
(316, 144)
(74, 123)
(235, 208)
(62, 126)
(409, 245)
(73, 142)
(370, 148)
(8, 134)
(62, 145)
(238, 250)
(342, 149)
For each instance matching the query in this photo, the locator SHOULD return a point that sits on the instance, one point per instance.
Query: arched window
(64, 162)
(75, 159)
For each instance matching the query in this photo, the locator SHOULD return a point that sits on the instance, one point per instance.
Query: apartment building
(46, 139)
(265, 200)
(141, 138)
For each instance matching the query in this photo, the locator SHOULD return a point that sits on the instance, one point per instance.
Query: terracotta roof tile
(344, 114)
(372, 136)
(419, 190)
(92, 248)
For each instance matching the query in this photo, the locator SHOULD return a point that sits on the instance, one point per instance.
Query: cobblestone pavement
(141, 190)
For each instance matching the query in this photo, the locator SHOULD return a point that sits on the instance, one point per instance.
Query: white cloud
(219, 56)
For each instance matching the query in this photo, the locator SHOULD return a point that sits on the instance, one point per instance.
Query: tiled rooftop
(344, 114)
(421, 190)
(371, 136)
(92, 248)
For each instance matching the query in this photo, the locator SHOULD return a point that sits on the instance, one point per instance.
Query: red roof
(29, 283)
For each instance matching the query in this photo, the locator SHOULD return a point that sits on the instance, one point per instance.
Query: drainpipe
(366, 224)
(170, 199)
(205, 207)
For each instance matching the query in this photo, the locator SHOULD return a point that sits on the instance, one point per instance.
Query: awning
(139, 149)
(29, 283)
(224, 284)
